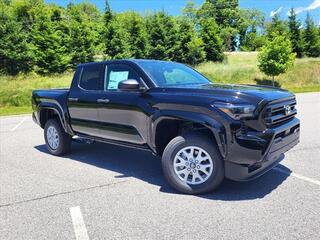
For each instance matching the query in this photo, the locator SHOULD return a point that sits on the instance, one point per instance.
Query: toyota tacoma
(204, 132)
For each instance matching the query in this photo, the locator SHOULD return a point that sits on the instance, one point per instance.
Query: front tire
(57, 140)
(192, 164)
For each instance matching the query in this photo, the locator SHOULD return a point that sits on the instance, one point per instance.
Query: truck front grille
(279, 112)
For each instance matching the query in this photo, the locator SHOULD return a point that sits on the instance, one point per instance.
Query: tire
(61, 142)
(206, 179)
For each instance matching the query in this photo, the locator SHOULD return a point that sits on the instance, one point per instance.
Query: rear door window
(91, 77)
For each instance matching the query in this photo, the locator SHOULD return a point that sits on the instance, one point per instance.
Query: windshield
(171, 74)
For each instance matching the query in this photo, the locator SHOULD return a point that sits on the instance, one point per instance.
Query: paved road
(106, 192)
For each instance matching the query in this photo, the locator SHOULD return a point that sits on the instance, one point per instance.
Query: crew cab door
(83, 99)
(121, 113)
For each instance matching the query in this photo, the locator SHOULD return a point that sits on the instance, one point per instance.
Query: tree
(107, 31)
(190, 49)
(156, 36)
(276, 27)
(295, 34)
(172, 37)
(135, 26)
(276, 57)
(127, 36)
(83, 34)
(43, 33)
(196, 53)
(107, 13)
(190, 12)
(225, 12)
(163, 36)
(15, 52)
(226, 15)
(212, 42)
(46, 39)
(229, 38)
(311, 38)
(253, 41)
(118, 46)
(250, 22)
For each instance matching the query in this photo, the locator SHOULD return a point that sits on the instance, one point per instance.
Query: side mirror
(129, 85)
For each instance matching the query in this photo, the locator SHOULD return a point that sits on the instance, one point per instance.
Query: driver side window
(115, 73)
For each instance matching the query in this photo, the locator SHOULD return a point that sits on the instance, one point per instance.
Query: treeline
(46, 38)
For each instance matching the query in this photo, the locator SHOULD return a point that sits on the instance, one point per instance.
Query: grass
(15, 92)
(240, 68)
(9, 110)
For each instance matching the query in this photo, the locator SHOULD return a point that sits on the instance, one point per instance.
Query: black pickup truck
(203, 131)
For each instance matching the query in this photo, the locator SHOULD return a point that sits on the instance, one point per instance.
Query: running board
(90, 140)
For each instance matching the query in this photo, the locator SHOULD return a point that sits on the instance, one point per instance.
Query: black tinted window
(117, 73)
(91, 77)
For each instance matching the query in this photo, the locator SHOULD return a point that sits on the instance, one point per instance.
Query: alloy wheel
(193, 165)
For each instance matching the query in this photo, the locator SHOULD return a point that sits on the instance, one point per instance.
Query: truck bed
(53, 91)
(58, 96)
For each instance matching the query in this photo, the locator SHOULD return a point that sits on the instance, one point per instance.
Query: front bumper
(264, 150)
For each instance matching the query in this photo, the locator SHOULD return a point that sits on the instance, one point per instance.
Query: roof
(122, 61)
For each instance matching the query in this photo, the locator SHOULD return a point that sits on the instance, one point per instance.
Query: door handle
(73, 99)
(103, 100)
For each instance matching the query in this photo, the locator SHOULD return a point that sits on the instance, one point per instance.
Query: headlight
(236, 111)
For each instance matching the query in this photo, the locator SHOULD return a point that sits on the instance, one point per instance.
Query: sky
(269, 7)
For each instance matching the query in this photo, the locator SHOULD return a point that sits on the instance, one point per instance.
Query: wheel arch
(48, 111)
(173, 123)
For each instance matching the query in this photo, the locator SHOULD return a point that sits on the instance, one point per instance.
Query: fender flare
(205, 120)
(55, 106)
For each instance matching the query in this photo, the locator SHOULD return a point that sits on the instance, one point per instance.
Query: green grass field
(240, 68)
(15, 92)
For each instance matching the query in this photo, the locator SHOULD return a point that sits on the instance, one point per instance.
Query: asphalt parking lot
(101, 191)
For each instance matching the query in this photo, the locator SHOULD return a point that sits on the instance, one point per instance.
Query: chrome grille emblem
(287, 109)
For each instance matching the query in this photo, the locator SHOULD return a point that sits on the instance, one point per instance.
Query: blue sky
(174, 6)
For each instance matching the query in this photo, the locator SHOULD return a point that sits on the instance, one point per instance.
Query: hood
(263, 92)
(232, 93)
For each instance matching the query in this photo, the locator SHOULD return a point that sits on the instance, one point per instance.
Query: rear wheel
(57, 140)
(192, 164)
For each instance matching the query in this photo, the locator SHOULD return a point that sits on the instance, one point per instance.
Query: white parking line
(78, 224)
(19, 124)
(307, 179)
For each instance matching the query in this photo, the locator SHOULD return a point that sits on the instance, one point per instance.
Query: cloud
(272, 13)
(314, 5)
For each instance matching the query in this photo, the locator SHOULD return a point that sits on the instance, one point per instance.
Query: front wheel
(192, 164)
(57, 140)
